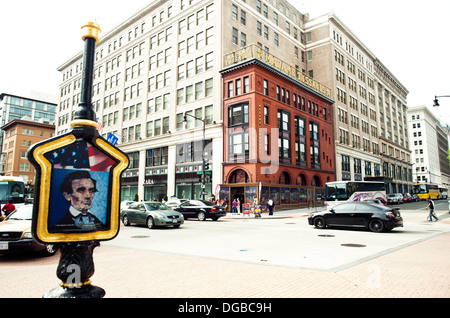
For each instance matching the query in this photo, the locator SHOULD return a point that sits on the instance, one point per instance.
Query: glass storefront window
(155, 193)
(128, 193)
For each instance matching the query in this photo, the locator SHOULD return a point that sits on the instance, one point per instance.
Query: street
(284, 241)
(276, 257)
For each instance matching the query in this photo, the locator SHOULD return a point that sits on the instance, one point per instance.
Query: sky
(410, 37)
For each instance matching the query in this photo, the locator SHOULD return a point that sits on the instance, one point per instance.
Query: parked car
(125, 204)
(415, 198)
(151, 214)
(201, 209)
(407, 197)
(375, 217)
(395, 198)
(175, 203)
(15, 234)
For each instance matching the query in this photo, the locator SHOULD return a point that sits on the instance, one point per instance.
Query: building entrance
(237, 193)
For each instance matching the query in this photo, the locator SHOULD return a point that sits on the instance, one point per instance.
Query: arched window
(238, 176)
(284, 178)
(301, 179)
(315, 182)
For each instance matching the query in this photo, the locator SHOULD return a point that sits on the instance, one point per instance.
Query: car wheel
(319, 222)
(150, 223)
(177, 226)
(49, 250)
(376, 226)
(125, 221)
(201, 216)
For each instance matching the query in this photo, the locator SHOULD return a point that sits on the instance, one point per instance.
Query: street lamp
(205, 163)
(436, 102)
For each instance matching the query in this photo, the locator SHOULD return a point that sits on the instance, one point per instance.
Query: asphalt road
(285, 240)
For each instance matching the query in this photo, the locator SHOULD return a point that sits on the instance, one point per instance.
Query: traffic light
(201, 178)
(206, 167)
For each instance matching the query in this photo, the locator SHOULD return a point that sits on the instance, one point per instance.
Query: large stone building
(429, 144)
(370, 119)
(165, 63)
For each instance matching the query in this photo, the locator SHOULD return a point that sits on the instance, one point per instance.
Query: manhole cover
(353, 245)
(290, 223)
(325, 235)
(140, 236)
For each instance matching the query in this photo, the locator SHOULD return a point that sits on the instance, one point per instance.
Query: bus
(339, 191)
(427, 190)
(444, 193)
(12, 189)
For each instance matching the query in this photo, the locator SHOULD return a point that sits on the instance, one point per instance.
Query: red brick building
(278, 132)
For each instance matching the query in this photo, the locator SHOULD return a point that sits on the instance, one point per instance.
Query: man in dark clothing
(431, 208)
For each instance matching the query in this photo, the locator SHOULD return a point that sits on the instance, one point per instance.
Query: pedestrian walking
(238, 206)
(270, 205)
(430, 207)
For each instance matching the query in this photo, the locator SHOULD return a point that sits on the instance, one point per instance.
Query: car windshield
(22, 213)
(156, 206)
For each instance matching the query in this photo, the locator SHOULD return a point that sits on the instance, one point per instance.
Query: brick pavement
(420, 270)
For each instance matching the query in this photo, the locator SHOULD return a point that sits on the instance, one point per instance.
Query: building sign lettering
(255, 52)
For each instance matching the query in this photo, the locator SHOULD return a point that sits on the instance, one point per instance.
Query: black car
(201, 209)
(375, 217)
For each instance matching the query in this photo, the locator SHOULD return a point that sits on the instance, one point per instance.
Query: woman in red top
(8, 208)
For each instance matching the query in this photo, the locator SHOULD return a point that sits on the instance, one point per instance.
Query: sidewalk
(421, 270)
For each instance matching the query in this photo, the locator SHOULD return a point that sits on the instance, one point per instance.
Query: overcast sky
(410, 37)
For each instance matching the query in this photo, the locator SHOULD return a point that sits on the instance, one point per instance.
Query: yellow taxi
(15, 234)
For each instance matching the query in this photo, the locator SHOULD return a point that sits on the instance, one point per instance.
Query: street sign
(112, 139)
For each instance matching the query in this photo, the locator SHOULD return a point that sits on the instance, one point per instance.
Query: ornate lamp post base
(88, 291)
(76, 266)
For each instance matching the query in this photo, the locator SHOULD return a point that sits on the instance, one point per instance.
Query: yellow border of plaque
(44, 198)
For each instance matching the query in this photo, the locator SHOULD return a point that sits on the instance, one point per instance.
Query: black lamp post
(67, 167)
(205, 163)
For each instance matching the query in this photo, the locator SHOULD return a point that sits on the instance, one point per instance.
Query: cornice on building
(31, 123)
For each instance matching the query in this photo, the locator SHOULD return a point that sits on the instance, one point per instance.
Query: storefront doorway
(237, 193)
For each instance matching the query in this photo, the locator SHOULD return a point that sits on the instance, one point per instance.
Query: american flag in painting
(80, 155)
(99, 161)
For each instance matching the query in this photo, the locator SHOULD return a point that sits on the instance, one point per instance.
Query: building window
(238, 114)
(134, 160)
(314, 144)
(156, 157)
(345, 163)
(300, 140)
(284, 135)
(238, 143)
(238, 136)
(246, 84)
(234, 36)
(266, 115)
